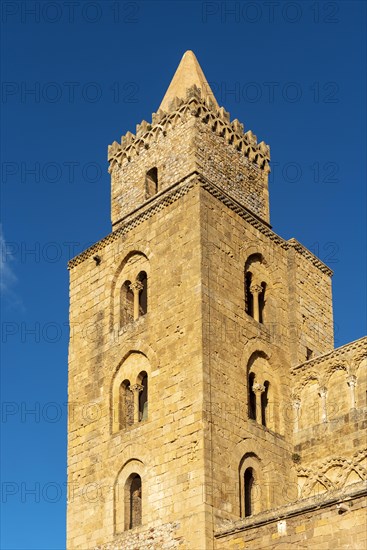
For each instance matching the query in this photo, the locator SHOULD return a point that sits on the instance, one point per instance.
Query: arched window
(264, 403)
(252, 493)
(262, 302)
(129, 291)
(129, 392)
(249, 302)
(151, 182)
(255, 287)
(264, 398)
(143, 397)
(249, 492)
(134, 299)
(126, 405)
(143, 294)
(251, 397)
(133, 502)
(126, 304)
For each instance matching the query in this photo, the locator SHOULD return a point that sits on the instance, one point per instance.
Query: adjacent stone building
(208, 408)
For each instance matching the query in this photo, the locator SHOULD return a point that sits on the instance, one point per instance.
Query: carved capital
(256, 289)
(322, 391)
(258, 388)
(351, 381)
(136, 388)
(137, 286)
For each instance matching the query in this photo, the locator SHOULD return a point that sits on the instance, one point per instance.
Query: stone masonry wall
(166, 450)
(312, 315)
(224, 166)
(319, 527)
(197, 344)
(329, 435)
(219, 432)
(193, 138)
(172, 152)
(231, 338)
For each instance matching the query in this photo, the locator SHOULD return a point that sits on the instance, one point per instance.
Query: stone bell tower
(191, 325)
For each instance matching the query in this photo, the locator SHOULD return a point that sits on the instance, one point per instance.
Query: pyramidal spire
(187, 74)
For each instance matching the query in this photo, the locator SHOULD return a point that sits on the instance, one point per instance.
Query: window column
(258, 389)
(136, 287)
(256, 290)
(136, 389)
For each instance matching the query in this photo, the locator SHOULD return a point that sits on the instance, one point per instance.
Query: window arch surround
(264, 403)
(253, 497)
(256, 284)
(133, 502)
(126, 496)
(134, 369)
(134, 268)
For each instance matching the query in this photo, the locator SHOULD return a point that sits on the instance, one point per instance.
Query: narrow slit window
(126, 304)
(249, 301)
(251, 397)
(262, 303)
(248, 490)
(264, 403)
(143, 398)
(151, 182)
(133, 502)
(126, 405)
(143, 294)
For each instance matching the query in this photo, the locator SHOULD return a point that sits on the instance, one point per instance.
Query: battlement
(201, 108)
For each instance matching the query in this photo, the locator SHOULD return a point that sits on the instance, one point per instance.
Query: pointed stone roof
(187, 74)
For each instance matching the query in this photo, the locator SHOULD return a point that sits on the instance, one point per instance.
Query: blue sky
(292, 72)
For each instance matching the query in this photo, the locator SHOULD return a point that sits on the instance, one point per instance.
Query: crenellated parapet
(204, 109)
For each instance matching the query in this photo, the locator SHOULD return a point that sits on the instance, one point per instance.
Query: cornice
(141, 214)
(179, 189)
